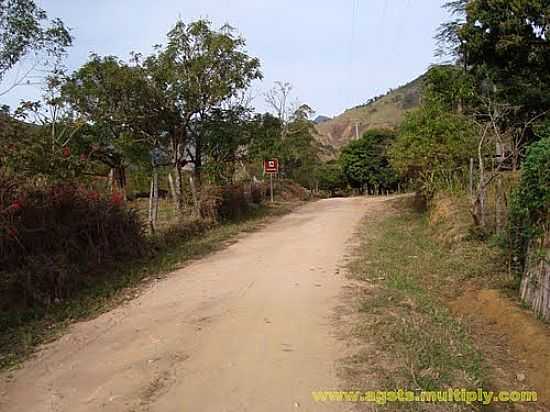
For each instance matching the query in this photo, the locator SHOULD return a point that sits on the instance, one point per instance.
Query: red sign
(271, 166)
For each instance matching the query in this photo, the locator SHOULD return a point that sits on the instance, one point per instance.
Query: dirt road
(247, 329)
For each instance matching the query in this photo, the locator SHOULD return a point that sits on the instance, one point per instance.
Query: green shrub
(530, 204)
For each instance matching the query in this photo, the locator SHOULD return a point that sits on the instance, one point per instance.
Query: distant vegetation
(382, 112)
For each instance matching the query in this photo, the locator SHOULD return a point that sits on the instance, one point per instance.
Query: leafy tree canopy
(433, 143)
(507, 43)
(365, 161)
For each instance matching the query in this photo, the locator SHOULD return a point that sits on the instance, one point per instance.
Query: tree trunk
(172, 186)
(195, 197)
(478, 203)
(471, 182)
(151, 202)
(197, 171)
(178, 190)
(118, 182)
(155, 197)
(110, 181)
(499, 207)
(173, 193)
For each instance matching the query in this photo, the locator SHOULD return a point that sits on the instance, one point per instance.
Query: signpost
(271, 166)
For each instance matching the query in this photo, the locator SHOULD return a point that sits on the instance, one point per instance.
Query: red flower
(66, 151)
(93, 195)
(16, 205)
(117, 199)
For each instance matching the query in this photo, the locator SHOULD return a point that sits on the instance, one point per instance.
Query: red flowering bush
(51, 239)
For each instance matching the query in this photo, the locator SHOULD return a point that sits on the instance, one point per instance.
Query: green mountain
(380, 112)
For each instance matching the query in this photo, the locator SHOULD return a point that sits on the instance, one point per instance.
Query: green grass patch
(22, 331)
(413, 275)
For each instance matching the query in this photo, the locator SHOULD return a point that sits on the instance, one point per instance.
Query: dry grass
(418, 343)
(386, 113)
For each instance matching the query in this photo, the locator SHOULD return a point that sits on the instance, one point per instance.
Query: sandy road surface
(246, 329)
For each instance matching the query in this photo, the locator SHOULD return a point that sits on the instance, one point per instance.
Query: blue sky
(336, 53)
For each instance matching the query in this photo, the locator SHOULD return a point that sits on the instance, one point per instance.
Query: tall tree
(227, 135)
(299, 151)
(505, 46)
(278, 99)
(114, 98)
(201, 69)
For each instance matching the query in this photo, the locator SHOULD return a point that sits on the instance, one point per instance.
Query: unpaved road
(249, 328)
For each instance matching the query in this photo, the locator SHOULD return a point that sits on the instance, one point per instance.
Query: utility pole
(356, 130)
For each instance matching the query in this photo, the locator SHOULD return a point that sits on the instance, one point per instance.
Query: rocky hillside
(382, 112)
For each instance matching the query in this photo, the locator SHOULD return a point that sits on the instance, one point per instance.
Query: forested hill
(381, 112)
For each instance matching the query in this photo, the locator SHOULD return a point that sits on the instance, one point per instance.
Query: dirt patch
(449, 215)
(515, 343)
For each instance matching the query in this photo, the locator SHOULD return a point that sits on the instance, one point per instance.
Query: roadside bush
(184, 230)
(257, 193)
(289, 190)
(211, 199)
(234, 205)
(51, 239)
(223, 203)
(529, 213)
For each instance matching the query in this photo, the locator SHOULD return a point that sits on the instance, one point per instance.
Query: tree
(299, 151)
(449, 87)
(227, 135)
(434, 146)
(331, 177)
(266, 137)
(201, 68)
(365, 162)
(112, 97)
(277, 98)
(25, 29)
(505, 47)
(43, 148)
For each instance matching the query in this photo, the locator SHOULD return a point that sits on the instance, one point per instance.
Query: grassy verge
(22, 332)
(403, 313)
